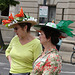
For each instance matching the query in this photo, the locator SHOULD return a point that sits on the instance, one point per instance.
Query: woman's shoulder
(35, 40)
(15, 37)
(54, 54)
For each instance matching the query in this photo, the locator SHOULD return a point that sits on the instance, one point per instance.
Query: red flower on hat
(6, 21)
(9, 20)
(11, 17)
(21, 14)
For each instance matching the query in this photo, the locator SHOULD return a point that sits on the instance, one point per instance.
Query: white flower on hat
(35, 20)
(25, 19)
(32, 19)
(8, 24)
(15, 21)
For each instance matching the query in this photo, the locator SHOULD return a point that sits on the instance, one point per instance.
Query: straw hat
(19, 18)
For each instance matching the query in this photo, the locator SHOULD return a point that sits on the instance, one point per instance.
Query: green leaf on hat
(6, 25)
(63, 26)
(27, 16)
(19, 19)
(53, 26)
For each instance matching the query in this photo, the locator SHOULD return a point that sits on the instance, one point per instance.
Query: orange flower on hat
(6, 21)
(9, 20)
(21, 14)
(11, 17)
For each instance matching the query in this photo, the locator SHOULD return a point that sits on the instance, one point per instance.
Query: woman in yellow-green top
(23, 48)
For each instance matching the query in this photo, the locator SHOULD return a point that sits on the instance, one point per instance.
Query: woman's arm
(37, 50)
(9, 59)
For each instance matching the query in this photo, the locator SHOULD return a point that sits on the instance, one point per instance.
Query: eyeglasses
(15, 28)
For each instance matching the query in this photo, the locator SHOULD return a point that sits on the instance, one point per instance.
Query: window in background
(46, 13)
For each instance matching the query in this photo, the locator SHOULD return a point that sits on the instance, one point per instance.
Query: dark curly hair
(53, 33)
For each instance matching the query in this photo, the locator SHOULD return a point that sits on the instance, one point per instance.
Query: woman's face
(43, 38)
(19, 31)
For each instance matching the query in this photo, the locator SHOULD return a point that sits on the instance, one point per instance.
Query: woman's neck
(25, 39)
(48, 46)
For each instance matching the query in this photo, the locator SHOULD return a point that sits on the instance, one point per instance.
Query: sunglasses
(15, 28)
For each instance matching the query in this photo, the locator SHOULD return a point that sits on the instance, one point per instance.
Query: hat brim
(32, 23)
(38, 27)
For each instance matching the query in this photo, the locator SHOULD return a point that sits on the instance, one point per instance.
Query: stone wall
(68, 13)
(65, 10)
(30, 7)
(7, 34)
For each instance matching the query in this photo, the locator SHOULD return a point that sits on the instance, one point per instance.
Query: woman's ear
(25, 28)
(49, 38)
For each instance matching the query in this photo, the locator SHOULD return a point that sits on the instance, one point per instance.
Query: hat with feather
(62, 26)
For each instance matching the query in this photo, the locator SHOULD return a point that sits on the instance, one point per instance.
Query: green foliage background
(5, 3)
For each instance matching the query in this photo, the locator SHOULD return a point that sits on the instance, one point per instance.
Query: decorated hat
(62, 26)
(19, 18)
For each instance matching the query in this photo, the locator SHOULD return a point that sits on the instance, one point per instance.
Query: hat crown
(50, 24)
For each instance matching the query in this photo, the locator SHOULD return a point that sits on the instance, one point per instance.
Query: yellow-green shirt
(23, 55)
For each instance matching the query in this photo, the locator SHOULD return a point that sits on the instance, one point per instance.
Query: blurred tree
(5, 4)
(4, 7)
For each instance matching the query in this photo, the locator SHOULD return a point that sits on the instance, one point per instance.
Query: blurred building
(43, 11)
